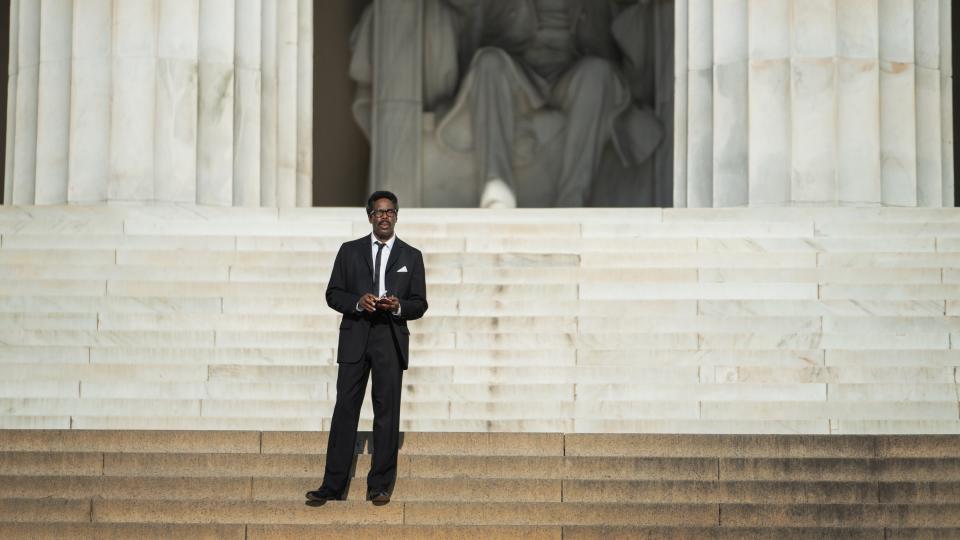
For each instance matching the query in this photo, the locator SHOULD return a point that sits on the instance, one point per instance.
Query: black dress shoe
(322, 495)
(380, 496)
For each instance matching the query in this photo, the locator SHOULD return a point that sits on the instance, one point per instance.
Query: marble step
(489, 490)
(118, 531)
(822, 426)
(450, 358)
(490, 467)
(930, 516)
(57, 270)
(51, 303)
(272, 442)
(276, 489)
(514, 340)
(311, 466)
(466, 324)
(508, 257)
(584, 325)
(164, 531)
(489, 444)
(283, 532)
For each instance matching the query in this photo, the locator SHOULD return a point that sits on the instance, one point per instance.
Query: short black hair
(382, 195)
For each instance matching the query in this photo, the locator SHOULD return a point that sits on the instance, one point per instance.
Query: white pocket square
(404, 269)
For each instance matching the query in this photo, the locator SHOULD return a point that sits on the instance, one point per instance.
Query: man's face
(383, 218)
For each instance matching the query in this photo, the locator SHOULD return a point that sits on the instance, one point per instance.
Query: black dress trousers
(382, 360)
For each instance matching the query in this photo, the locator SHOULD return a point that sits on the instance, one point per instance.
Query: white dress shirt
(384, 257)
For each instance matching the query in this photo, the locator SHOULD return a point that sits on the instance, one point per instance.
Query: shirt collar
(389, 243)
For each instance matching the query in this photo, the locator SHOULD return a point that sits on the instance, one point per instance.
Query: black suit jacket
(352, 277)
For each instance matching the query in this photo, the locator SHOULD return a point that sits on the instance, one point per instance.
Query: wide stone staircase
(249, 485)
(778, 320)
(744, 373)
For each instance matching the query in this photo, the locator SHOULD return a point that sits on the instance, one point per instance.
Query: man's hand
(368, 303)
(388, 303)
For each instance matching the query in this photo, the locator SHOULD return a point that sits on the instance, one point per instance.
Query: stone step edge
(488, 443)
(277, 488)
(486, 513)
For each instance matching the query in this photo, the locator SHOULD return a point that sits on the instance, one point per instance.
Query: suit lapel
(394, 254)
(391, 262)
(366, 253)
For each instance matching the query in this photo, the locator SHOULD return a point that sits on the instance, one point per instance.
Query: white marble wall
(171, 101)
(829, 102)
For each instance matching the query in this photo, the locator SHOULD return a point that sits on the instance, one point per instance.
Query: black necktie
(376, 270)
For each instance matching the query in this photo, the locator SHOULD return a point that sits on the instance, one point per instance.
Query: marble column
(287, 63)
(53, 101)
(160, 101)
(858, 102)
(769, 102)
(304, 163)
(927, 31)
(898, 114)
(22, 184)
(90, 101)
(133, 93)
(848, 102)
(946, 103)
(176, 128)
(699, 191)
(13, 63)
(681, 115)
(216, 103)
(813, 112)
(246, 112)
(730, 158)
(268, 104)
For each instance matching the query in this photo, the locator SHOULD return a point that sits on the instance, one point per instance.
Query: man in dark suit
(378, 285)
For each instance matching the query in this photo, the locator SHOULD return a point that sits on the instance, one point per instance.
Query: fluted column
(813, 114)
(174, 101)
(946, 103)
(90, 101)
(847, 102)
(287, 63)
(858, 102)
(53, 101)
(216, 103)
(304, 163)
(246, 112)
(769, 102)
(927, 31)
(898, 121)
(730, 158)
(699, 189)
(24, 168)
(134, 77)
(13, 63)
(681, 111)
(176, 136)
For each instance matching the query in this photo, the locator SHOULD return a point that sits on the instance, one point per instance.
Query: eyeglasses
(384, 213)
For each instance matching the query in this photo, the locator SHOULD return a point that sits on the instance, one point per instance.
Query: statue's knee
(489, 60)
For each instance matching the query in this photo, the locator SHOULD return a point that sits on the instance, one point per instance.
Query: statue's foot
(497, 194)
